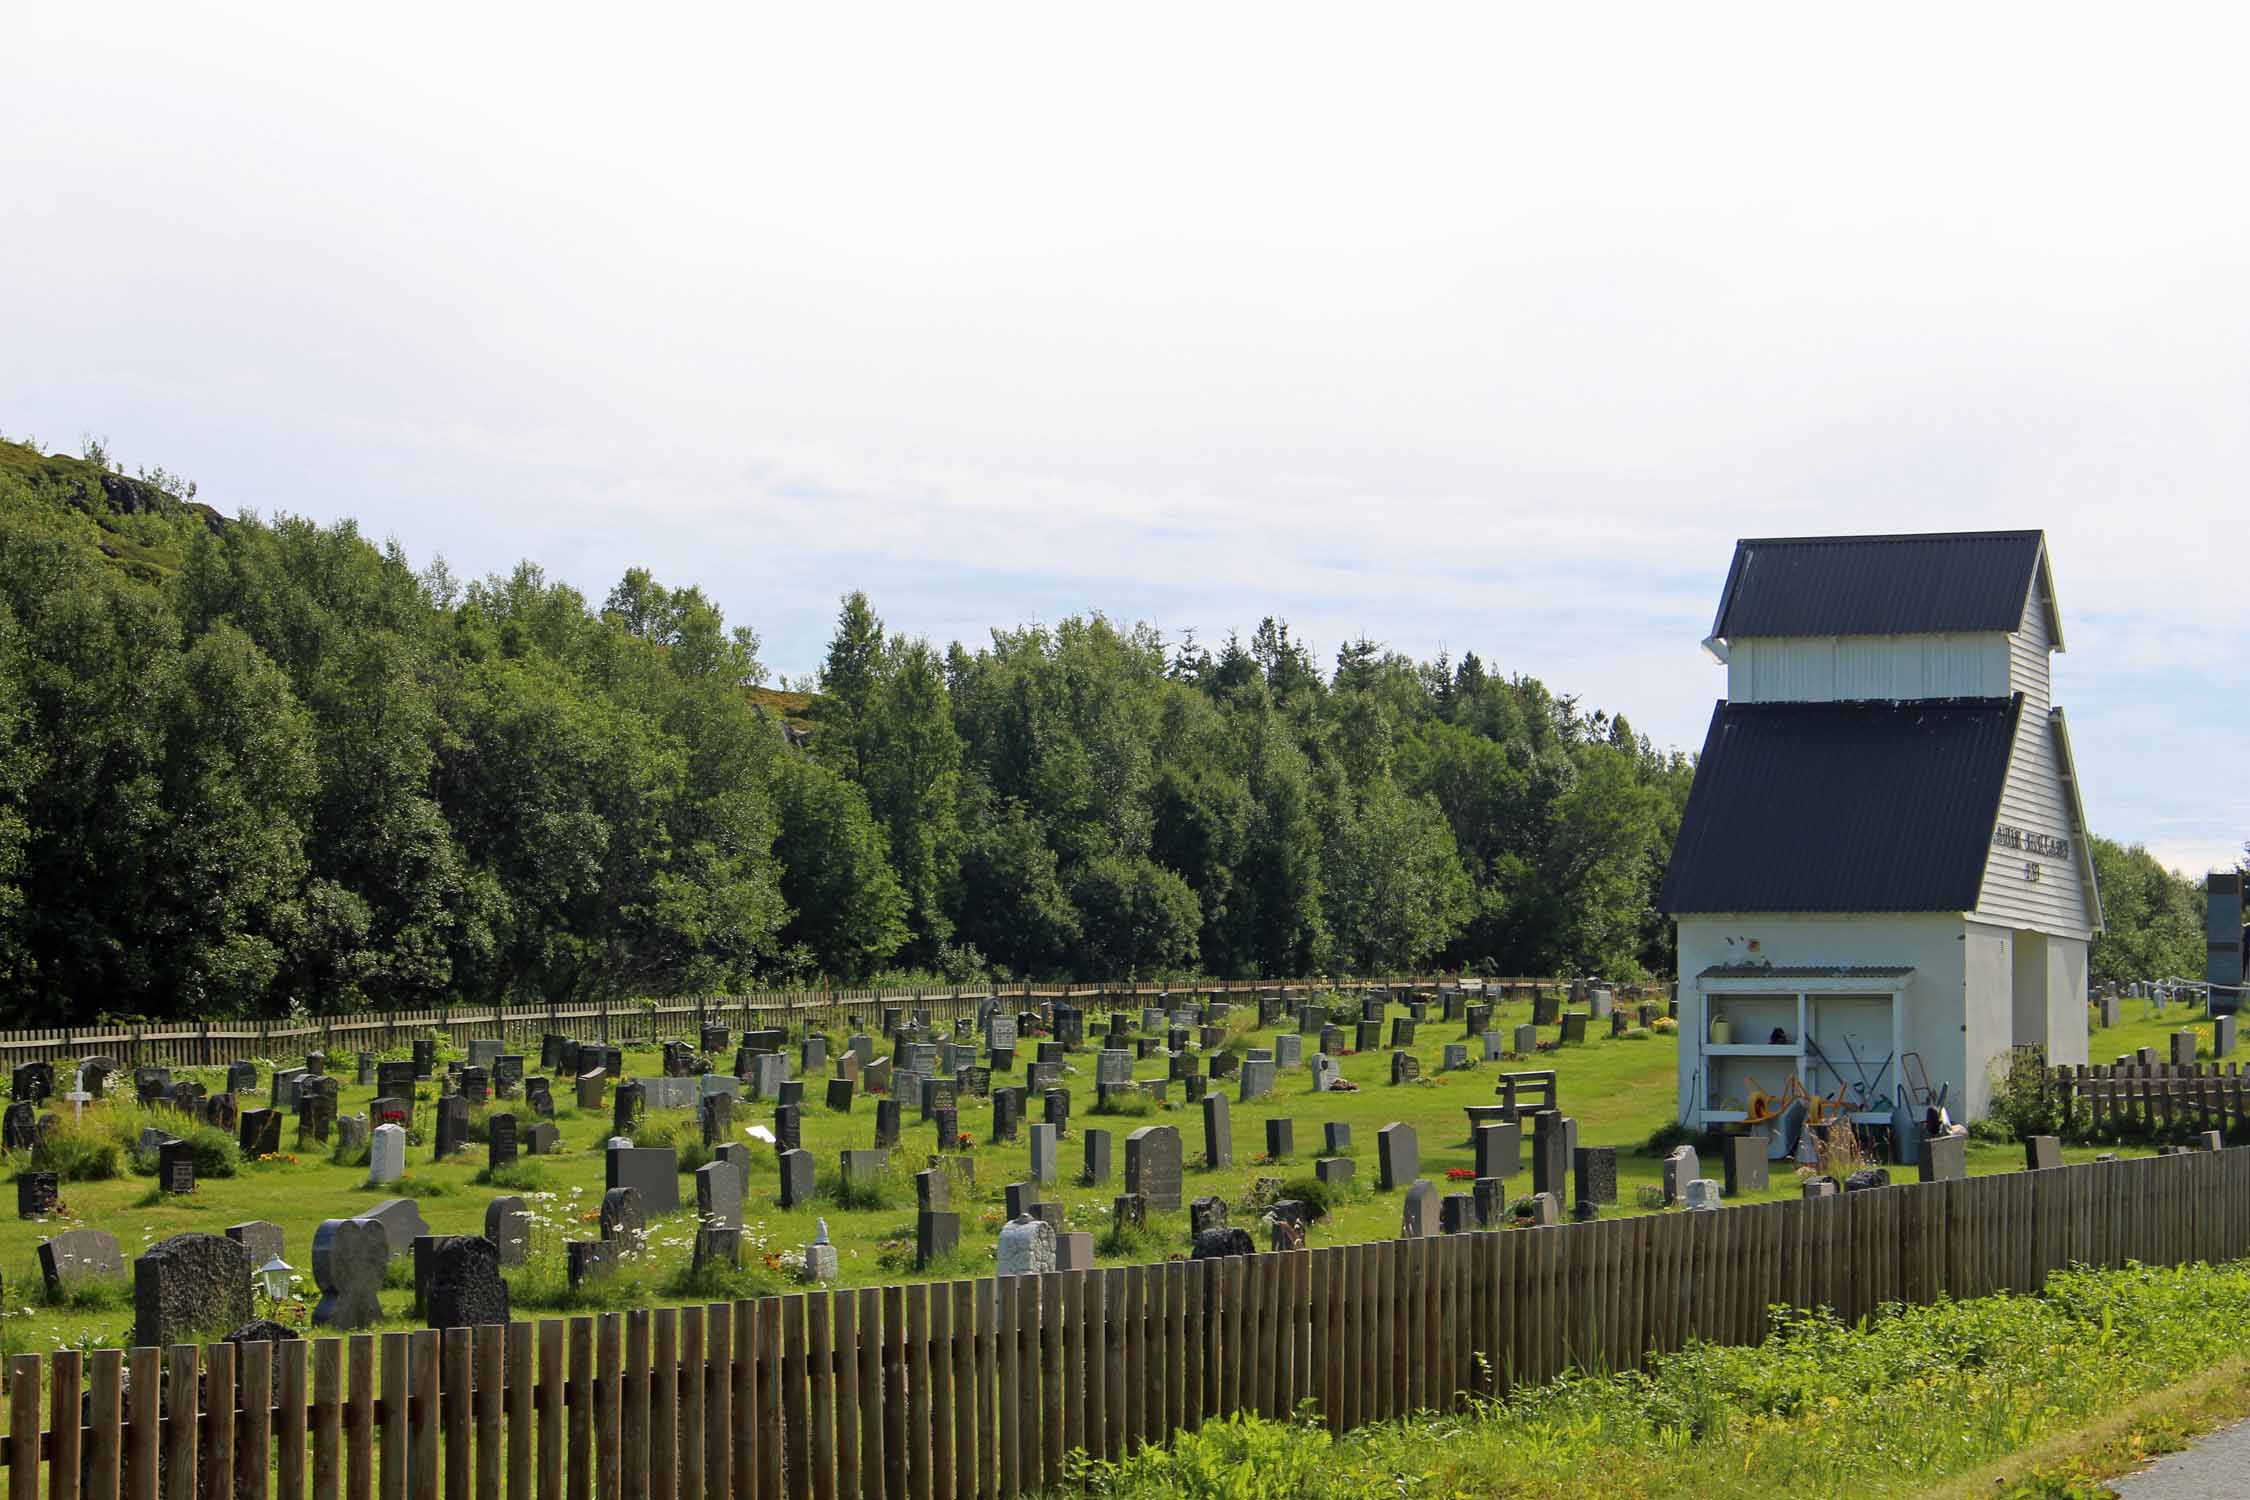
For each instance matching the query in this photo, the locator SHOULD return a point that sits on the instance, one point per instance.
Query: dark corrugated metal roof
(1843, 807)
(1878, 585)
(1806, 971)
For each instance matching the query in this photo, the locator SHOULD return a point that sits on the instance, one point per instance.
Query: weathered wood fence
(2152, 1098)
(983, 1388)
(208, 1044)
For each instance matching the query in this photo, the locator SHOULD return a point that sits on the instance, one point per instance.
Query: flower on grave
(965, 1140)
(1460, 1174)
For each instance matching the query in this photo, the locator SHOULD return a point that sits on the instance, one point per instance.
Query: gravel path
(2217, 1468)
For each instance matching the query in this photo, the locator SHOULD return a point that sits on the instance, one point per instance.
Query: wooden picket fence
(983, 1389)
(210, 1044)
(2153, 1098)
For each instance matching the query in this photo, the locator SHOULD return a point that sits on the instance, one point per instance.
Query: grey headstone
(1945, 1158)
(263, 1241)
(349, 1257)
(1218, 1133)
(1398, 1156)
(1745, 1163)
(797, 1178)
(652, 1171)
(1153, 1165)
(77, 1257)
(507, 1223)
(401, 1220)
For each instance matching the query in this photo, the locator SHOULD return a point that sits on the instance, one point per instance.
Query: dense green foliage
(260, 766)
(265, 765)
(2155, 918)
(1887, 1408)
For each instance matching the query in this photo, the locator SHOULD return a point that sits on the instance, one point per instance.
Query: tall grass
(1886, 1408)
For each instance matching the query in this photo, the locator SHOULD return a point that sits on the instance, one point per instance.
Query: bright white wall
(1857, 668)
(1987, 1017)
(1929, 943)
(2068, 1041)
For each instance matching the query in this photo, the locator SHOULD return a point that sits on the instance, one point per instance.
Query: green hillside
(140, 526)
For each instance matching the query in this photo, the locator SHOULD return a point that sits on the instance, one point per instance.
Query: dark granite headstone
(654, 1171)
(259, 1133)
(187, 1285)
(797, 1178)
(1398, 1156)
(500, 1141)
(465, 1286)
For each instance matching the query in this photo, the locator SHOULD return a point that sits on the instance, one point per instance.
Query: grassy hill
(140, 526)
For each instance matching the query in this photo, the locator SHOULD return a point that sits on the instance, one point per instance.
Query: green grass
(1621, 1092)
(1881, 1411)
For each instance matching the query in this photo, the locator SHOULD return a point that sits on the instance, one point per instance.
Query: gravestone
(1074, 1250)
(425, 1057)
(539, 1096)
(507, 1223)
(1817, 1187)
(976, 1082)
(623, 1218)
(1219, 1243)
(262, 1240)
(1096, 1170)
(1218, 1133)
(863, 1169)
(718, 1206)
(1326, 1073)
(840, 1095)
(1027, 1247)
(1594, 1174)
(38, 1194)
(937, 1235)
(1550, 1153)
(1113, 1066)
(945, 1122)
(1405, 1067)
(1398, 1156)
(1057, 1107)
(2183, 1049)
(259, 1133)
(188, 1285)
(501, 1142)
(1491, 1196)
(1418, 1213)
(716, 1115)
(796, 1178)
(933, 1190)
(507, 1075)
(1499, 1150)
(32, 1082)
(1257, 1079)
(1152, 1166)
(1945, 1158)
(1044, 1168)
(1744, 1157)
(1526, 1040)
(1680, 1168)
(651, 1171)
(1702, 1195)
(2041, 1153)
(466, 1289)
(1456, 1057)
(349, 1257)
(19, 1127)
(452, 1126)
(1281, 1139)
(630, 1104)
(1006, 1106)
(285, 1087)
(789, 1125)
(80, 1257)
(401, 1220)
(1334, 1171)
(542, 1139)
(1288, 1050)
(386, 1155)
(1206, 1213)
(591, 1088)
(482, 1050)
(937, 1094)
(220, 1113)
(768, 1072)
(1457, 1213)
(175, 1167)
(242, 1077)
(1336, 1138)
(812, 1054)
(1495, 1046)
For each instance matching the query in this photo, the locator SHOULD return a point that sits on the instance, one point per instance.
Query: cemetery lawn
(2022, 1398)
(1619, 1090)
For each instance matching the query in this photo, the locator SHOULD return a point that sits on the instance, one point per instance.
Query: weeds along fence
(204, 1044)
(985, 1388)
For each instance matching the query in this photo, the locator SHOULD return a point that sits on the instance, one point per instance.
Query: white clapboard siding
(1860, 668)
(2037, 801)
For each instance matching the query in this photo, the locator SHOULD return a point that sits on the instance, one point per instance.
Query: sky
(1469, 328)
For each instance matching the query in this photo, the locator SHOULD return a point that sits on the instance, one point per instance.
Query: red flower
(1460, 1174)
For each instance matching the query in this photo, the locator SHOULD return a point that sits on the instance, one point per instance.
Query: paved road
(2218, 1468)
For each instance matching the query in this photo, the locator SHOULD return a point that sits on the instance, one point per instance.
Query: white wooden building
(1882, 878)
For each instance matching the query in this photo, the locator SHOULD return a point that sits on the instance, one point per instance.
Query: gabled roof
(1933, 583)
(1843, 807)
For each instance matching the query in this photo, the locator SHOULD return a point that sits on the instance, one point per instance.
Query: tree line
(267, 767)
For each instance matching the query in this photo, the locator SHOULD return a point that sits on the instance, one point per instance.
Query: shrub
(216, 1154)
(79, 1152)
(1317, 1196)
(524, 1176)
(1125, 1102)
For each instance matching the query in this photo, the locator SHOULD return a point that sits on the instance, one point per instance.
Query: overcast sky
(1460, 329)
